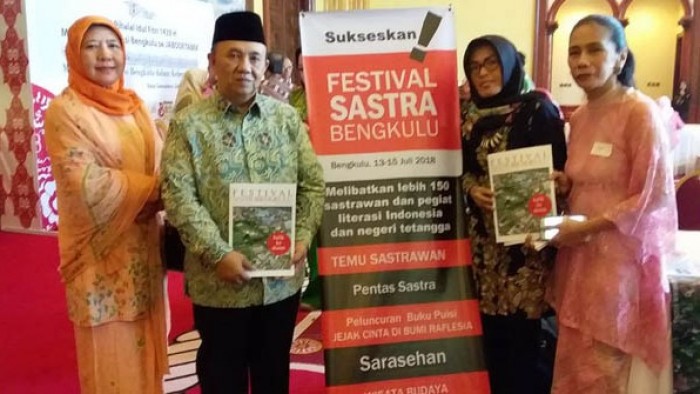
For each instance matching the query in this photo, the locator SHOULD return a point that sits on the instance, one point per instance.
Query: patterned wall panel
(18, 192)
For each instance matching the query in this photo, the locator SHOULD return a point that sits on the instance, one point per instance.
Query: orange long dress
(105, 170)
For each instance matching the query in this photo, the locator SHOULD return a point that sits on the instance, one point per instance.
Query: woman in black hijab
(510, 280)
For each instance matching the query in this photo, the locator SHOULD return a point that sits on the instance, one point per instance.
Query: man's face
(287, 69)
(239, 67)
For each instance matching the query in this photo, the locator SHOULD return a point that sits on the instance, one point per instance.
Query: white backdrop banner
(162, 38)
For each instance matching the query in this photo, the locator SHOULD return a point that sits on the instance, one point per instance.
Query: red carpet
(37, 338)
(37, 353)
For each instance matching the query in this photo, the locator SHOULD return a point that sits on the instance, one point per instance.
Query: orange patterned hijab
(114, 100)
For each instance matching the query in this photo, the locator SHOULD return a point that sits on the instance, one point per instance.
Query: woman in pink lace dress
(608, 286)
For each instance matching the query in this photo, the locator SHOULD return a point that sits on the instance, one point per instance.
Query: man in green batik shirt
(246, 325)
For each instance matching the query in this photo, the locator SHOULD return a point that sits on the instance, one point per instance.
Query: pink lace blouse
(613, 287)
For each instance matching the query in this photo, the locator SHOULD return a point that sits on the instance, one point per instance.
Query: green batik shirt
(297, 99)
(210, 145)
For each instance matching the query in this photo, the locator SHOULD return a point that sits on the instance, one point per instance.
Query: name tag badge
(602, 149)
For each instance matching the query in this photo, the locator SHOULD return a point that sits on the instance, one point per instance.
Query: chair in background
(688, 201)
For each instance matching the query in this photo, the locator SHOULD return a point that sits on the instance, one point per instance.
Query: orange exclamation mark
(430, 25)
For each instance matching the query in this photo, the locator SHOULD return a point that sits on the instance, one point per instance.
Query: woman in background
(196, 84)
(608, 286)
(104, 151)
(681, 101)
(505, 114)
(297, 97)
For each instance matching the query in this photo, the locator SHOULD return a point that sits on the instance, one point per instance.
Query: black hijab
(511, 69)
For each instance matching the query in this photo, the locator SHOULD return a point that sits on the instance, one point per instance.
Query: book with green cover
(523, 192)
(261, 226)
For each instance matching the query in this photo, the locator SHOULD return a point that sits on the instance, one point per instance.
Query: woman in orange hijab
(104, 151)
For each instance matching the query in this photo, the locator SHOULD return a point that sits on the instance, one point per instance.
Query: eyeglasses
(490, 64)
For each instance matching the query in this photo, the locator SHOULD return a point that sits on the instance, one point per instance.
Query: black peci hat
(239, 26)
